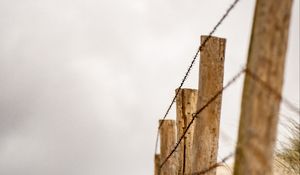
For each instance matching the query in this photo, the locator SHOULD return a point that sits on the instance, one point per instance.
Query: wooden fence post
(167, 143)
(186, 104)
(259, 109)
(206, 130)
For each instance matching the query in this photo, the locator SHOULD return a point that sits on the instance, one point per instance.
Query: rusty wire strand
(227, 167)
(214, 166)
(195, 115)
(191, 65)
(273, 91)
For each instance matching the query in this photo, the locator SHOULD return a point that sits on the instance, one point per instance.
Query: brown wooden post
(206, 130)
(167, 143)
(186, 104)
(259, 109)
(156, 164)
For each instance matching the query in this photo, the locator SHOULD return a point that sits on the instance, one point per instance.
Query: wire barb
(192, 63)
(195, 115)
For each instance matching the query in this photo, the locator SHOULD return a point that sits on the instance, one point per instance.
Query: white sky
(83, 83)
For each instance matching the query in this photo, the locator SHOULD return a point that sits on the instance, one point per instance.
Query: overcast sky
(83, 83)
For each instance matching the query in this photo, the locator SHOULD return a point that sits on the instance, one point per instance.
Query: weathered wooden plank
(186, 104)
(167, 143)
(206, 131)
(259, 110)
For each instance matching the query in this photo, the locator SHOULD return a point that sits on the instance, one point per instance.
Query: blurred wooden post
(259, 109)
(186, 103)
(206, 129)
(167, 143)
(156, 164)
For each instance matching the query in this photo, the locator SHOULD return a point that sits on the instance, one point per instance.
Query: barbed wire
(195, 115)
(273, 91)
(214, 166)
(200, 48)
(223, 163)
(227, 167)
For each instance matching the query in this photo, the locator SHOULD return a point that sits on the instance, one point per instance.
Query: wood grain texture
(186, 105)
(167, 142)
(206, 130)
(156, 164)
(259, 109)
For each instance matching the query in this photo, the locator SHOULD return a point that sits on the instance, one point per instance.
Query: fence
(193, 150)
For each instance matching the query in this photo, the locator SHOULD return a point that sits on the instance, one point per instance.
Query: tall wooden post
(259, 109)
(186, 103)
(206, 131)
(167, 143)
